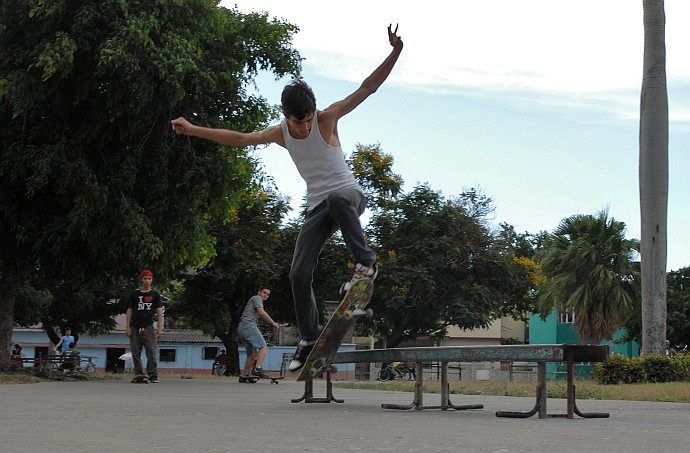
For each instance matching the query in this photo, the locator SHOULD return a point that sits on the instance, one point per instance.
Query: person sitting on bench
(70, 358)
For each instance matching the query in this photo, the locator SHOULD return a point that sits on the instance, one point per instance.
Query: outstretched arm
(266, 316)
(371, 83)
(272, 134)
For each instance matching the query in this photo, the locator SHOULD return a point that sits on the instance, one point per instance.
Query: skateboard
(321, 357)
(255, 379)
(140, 380)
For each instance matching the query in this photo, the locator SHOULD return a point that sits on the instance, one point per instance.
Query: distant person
(16, 356)
(142, 305)
(253, 339)
(63, 344)
(335, 199)
(70, 358)
(221, 363)
(668, 350)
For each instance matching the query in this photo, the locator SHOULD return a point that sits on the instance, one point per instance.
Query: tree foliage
(439, 266)
(590, 270)
(248, 254)
(678, 302)
(373, 169)
(93, 184)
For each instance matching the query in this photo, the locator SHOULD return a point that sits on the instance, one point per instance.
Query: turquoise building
(558, 328)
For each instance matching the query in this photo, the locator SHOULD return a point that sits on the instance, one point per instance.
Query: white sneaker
(361, 271)
(357, 312)
(303, 349)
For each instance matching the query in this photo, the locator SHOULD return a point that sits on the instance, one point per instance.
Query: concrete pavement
(180, 415)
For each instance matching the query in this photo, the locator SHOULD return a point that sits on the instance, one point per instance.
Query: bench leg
(572, 406)
(418, 402)
(540, 405)
(308, 396)
(445, 394)
(572, 409)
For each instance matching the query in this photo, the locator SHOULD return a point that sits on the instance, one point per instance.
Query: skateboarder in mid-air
(334, 198)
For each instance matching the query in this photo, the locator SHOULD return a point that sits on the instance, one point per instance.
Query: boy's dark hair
(263, 287)
(298, 99)
(71, 344)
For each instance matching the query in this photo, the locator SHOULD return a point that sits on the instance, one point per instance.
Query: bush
(652, 368)
(681, 366)
(618, 370)
(658, 368)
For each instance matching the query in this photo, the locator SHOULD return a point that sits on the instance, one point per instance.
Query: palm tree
(654, 178)
(591, 272)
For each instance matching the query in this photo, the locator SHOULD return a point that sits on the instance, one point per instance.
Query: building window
(167, 355)
(210, 353)
(566, 317)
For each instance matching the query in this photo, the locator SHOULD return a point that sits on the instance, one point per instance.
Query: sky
(534, 103)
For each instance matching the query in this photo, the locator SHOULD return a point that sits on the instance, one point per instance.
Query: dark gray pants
(341, 210)
(145, 338)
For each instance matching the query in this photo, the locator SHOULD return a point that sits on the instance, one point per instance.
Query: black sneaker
(303, 350)
(259, 372)
(153, 379)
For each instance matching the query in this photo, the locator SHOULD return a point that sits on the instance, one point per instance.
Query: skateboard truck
(358, 313)
(320, 367)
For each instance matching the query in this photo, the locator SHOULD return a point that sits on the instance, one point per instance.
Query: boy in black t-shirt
(142, 305)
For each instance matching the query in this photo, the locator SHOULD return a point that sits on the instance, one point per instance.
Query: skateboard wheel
(313, 372)
(333, 369)
(370, 312)
(348, 314)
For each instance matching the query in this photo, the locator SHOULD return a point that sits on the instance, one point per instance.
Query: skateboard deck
(273, 379)
(140, 380)
(321, 357)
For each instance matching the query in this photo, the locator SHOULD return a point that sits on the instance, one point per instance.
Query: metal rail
(568, 353)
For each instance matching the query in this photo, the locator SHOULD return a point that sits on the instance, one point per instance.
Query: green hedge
(651, 368)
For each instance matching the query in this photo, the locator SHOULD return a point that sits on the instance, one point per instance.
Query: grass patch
(675, 392)
(28, 376)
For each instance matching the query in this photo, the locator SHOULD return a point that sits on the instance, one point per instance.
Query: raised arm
(272, 134)
(371, 83)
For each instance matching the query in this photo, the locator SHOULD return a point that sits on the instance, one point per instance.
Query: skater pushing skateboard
(253, 339)
(334, 198)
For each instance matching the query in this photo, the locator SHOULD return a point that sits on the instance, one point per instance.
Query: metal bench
(50, 362)
(541, 354)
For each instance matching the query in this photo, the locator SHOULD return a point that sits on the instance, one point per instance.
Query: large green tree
(249, 252)
(93, 184)
(590, 270)
(654, 177)
(441, 266)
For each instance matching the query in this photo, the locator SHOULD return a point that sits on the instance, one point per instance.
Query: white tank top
(321, 165)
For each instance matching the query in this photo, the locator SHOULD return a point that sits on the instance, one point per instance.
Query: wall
(189, 357)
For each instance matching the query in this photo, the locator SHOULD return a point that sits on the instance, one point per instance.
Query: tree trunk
(8, 295)
(230, 344)
(653, 168)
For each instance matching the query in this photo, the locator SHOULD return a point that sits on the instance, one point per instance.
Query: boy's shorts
(253, 340)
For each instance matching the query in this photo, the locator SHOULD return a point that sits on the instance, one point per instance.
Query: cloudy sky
(536, 102)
